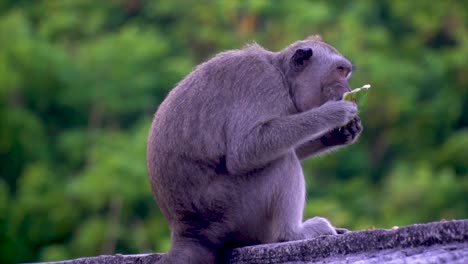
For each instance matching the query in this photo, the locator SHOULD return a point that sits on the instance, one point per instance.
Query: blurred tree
(80, 80)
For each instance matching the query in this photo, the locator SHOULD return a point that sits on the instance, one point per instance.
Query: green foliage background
(80, 80)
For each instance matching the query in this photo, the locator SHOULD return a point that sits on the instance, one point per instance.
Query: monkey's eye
(344, 72)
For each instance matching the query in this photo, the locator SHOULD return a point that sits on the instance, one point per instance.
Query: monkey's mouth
(337, 90)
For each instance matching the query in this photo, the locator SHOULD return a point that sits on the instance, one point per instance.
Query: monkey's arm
(311, 148)
(255, 143)
(334, 139)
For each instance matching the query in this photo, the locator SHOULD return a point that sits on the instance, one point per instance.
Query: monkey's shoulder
(232, 75)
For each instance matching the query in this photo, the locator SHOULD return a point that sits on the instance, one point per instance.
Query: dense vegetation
(80, 80)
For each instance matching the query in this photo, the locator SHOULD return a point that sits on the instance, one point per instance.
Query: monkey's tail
(190, 253)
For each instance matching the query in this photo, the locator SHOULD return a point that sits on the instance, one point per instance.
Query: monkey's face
(319, 74)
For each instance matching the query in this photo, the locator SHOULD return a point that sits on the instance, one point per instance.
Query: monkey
(225, 146)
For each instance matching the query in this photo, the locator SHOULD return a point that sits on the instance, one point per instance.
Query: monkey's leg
(290, 211)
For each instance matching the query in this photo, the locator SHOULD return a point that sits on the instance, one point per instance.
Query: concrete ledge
(444, 240)
(438, 242)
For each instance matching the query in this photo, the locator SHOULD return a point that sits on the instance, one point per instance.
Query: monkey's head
(316, 72)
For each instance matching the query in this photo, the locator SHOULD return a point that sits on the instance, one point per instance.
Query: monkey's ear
(301, 56)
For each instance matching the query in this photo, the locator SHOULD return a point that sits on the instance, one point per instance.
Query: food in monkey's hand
(358, 95)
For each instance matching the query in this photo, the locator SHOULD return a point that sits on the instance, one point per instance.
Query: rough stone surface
(439, 242)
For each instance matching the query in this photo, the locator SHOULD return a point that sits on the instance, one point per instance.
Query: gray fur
(225, 146)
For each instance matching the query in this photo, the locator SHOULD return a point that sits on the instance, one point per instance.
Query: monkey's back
(188, 139)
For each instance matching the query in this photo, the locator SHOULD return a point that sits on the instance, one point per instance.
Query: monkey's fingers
(341, 231)
(354, 125)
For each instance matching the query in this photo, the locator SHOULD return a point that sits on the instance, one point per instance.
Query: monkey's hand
(344, 135)
(335, 113)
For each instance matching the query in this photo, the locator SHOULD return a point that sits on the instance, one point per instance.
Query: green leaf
(358, 95)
